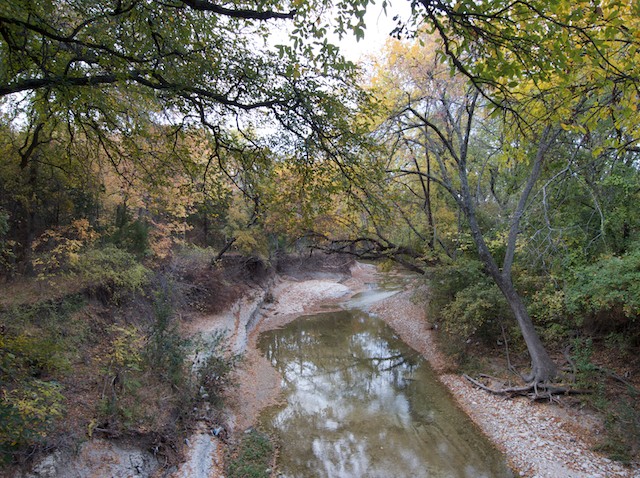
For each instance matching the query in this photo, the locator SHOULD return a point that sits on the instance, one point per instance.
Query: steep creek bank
(539, 440)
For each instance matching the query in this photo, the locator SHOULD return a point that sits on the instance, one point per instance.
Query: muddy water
(360, 403)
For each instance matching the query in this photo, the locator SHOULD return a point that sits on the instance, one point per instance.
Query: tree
(194, 58)
(439, 115)
(515, 56)
(119, 78)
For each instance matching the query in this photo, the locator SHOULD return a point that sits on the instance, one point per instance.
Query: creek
(358, 402)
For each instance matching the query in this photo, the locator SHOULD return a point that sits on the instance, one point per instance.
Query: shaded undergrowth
(109, 359)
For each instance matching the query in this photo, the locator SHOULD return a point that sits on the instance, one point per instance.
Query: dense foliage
(493, 146)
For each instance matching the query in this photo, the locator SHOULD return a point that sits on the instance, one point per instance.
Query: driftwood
(533, 390)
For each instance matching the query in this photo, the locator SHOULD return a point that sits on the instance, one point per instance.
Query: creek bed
(358, 402)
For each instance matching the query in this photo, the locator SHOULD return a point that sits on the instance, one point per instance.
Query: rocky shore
(540, 440)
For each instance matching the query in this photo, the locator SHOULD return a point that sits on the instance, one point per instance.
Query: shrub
(25, 355)
(476, 311)
(214, 375)
(619, 406)
(37, 343)
(55, 248)
(466, 301)
(191, 257)
(132, 236)
(121, 368)
(547, 306)
(166, 350)
(111, 271)
(27, 414)
(607, 293)
(450, 279)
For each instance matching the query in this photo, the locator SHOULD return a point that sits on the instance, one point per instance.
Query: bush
(166, 350)
(27, 414)
(476, 311)
(25, 355)
(448, 280)
(607, 293)
(131, 235)
(37, 345)
(466, 301)
(214, 375)
(121, 368)
(55, 248)
(110, 271)
(547, 306)
(191, 257)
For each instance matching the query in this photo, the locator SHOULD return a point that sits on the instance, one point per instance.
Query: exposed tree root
(617, 377)
(533, 390)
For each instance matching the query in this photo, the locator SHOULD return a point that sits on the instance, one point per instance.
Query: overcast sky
(378, 28)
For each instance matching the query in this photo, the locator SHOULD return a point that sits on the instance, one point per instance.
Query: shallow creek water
(360, 403)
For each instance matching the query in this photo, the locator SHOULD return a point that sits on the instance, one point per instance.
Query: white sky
(379, 26)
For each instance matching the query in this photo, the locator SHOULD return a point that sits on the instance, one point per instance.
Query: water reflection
(360, 403)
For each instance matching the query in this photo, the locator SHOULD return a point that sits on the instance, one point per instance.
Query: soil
(539, 440)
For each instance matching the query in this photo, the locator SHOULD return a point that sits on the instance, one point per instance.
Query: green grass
(253, 457)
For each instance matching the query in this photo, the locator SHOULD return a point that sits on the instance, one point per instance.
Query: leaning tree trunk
(543, 368)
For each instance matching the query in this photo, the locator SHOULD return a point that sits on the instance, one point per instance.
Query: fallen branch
(533, 390)
(617, 377)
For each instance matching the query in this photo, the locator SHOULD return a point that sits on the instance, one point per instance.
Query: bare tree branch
(206, 6)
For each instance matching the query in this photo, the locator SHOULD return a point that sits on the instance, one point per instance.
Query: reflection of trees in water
(361, 403)
(345, 349)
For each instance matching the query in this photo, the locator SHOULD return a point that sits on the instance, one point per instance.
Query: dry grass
(28, 290)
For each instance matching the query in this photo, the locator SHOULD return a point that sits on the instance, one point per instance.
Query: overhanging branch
(203, 5)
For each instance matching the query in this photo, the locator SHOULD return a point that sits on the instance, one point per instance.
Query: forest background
(491, 146)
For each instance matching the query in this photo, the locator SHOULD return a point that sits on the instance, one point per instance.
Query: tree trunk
(543, 369)
(28, 220)
(224, 249)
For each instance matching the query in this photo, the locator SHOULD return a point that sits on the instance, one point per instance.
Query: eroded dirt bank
(539, 440)
(258, 383)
